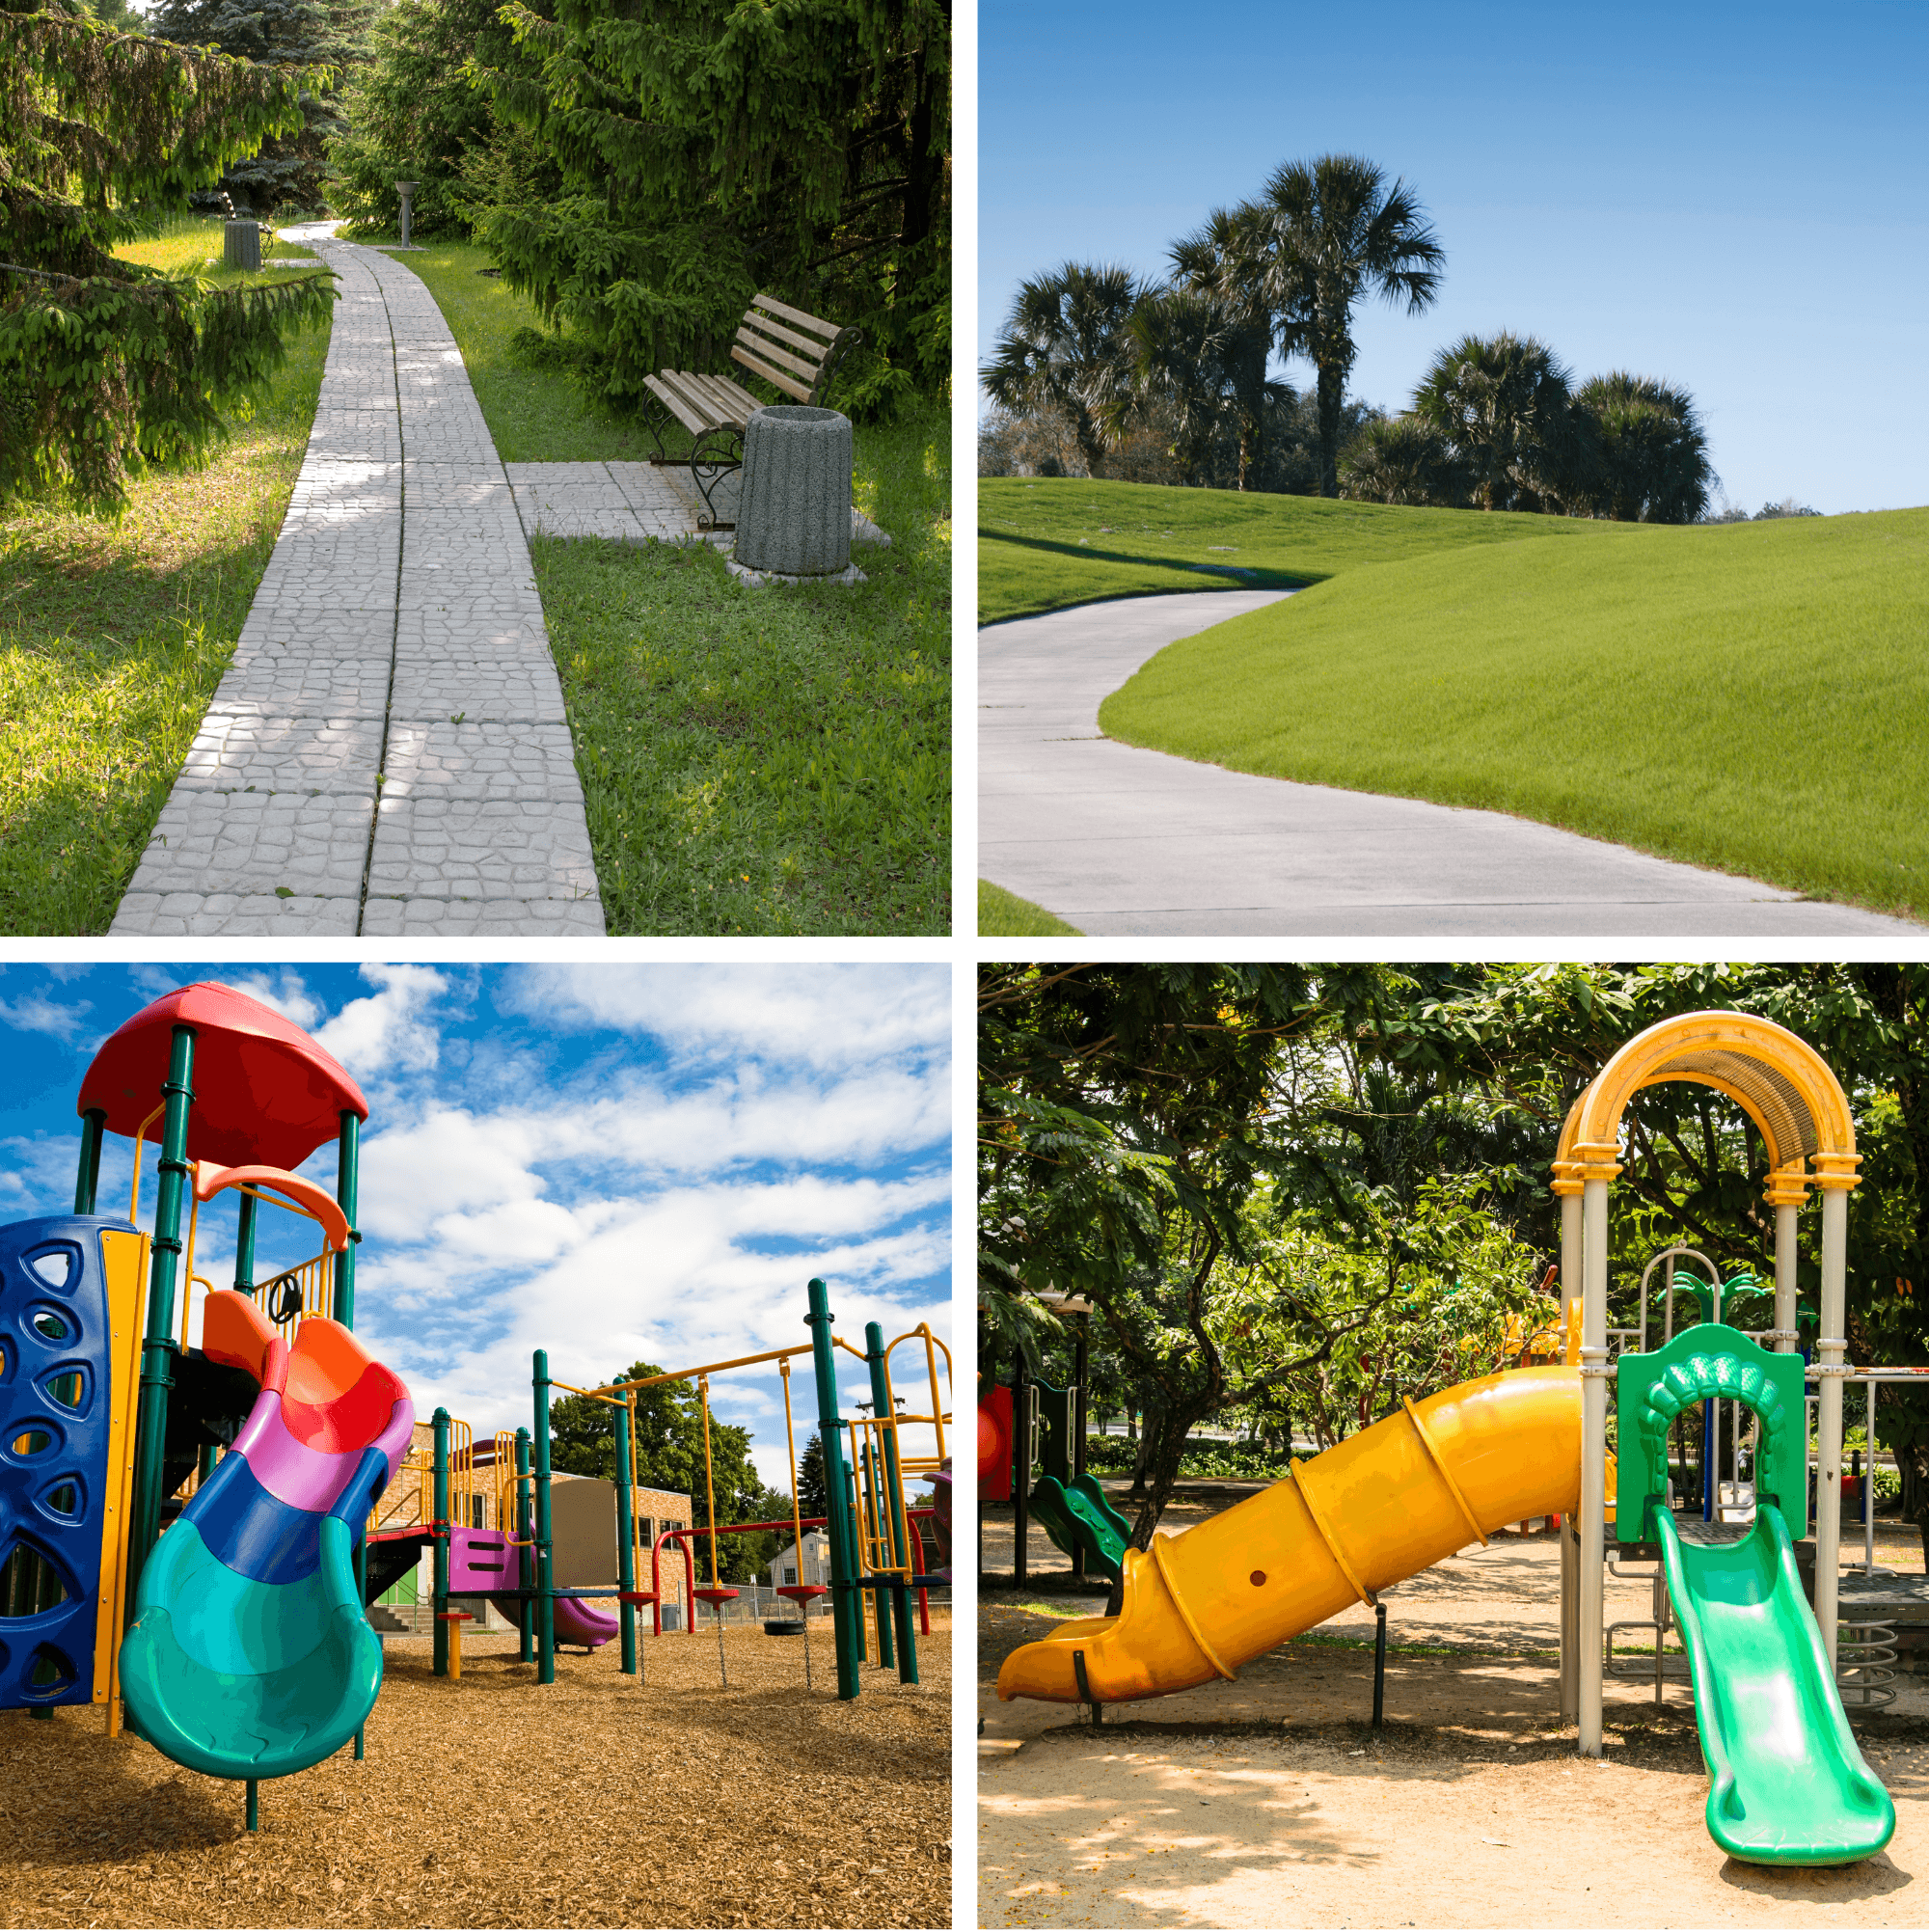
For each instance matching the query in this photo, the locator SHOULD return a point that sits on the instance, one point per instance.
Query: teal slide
(1789, 1786)
(1076, 1516)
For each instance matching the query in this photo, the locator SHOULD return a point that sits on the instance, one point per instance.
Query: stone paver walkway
(388, 754)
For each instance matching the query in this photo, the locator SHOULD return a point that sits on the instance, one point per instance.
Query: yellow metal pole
(711, 1367)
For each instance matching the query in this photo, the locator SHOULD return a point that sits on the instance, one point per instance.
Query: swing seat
(802, 1593)
(715, 1596)
(636, 1597)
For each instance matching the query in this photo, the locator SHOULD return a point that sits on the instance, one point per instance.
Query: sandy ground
(497, 1801)
(1269, 1802)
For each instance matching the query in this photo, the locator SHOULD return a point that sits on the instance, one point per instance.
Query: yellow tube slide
(1381, 1505)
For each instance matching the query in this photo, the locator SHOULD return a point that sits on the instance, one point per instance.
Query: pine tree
(321, 37)
(105, 367)
(813, 1499)
(714, 149)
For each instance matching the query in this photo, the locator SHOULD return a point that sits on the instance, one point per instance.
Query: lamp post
(405, 189)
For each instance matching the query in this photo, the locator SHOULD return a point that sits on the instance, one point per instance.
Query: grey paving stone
(241, 751)
(400, 596)
(482, 918)
(481, 848)
(235, 915)
(258, 842)
(480, 758)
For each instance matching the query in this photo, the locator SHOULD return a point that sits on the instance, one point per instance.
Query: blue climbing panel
(56, 1404)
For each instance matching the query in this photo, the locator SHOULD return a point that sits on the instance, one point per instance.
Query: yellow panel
(124, 1258)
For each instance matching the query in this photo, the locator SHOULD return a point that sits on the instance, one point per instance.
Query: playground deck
(494, 1801)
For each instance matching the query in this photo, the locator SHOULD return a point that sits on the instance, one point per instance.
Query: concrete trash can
(794, 511)
(241, 244)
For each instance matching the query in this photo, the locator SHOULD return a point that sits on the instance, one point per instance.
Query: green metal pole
(254, 1805)
(881, 1610)
(362, 1591)
(440, 1600)
(346, 1188)
(159, 1348)
(244, 1246)
(545, 1570)
(846, 1605)
(626, 1541)
(891, 1489)
(87, 1182)
(526, 1569)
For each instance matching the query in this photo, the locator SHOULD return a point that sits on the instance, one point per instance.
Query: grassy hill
(1046, 542)
(1748, 697)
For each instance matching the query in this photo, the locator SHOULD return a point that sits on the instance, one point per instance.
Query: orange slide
(1382, 1504)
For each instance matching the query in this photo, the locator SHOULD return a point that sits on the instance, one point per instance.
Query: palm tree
(1649, 451)
(1406, 460)
(1505, 404)
(1319, 236)
(1213, 262)
(1062, 349)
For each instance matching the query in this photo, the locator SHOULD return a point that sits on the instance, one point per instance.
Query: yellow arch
(1782, 1084)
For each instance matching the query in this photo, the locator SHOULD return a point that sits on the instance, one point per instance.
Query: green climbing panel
(1076, 1516)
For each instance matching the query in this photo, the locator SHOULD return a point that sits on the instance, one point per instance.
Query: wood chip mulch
(498, 1801)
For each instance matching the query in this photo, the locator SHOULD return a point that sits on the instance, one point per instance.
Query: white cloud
(824, 1016)
(287, 994)
(36, 1013)
(388, 1032)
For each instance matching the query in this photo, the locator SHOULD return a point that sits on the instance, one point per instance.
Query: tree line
(1298, 1193)
(639, 174)
(1126, 371)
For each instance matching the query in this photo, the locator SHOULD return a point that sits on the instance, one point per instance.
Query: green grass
(770, 761)
(774, 760)
(535, 415)
(1046, 542)
(113, 634)
(1003, 914)
(1752, 697)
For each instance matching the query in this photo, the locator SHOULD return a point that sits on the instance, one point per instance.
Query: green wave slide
(1788, 1785)
(1076, 1516)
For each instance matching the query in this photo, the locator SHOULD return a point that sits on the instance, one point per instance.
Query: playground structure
(1031, 1425)
(875, 1542)
(1788, 1784)
(190, 1533)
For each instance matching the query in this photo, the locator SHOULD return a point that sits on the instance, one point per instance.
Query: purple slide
(482, 1561)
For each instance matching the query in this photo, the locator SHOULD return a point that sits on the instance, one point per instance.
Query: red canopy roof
(263, 1090)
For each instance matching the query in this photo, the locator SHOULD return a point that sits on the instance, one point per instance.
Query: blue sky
(1734, 198)
(613, 1163)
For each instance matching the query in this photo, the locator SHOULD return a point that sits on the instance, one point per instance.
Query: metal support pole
(87, 1182)
(1021, 1399)
(891, 1495)
(1593, 1453)
(1570, 1569)
(444, 1534)
(1379, 1662)
(244, 1245)
(347, 1187)
(626, 1542)
(1829, 1352)
(846, 1608)
(159, 1347)
(1080, 1353)
(545, 1570)
(1785, 1254)
(526, 1569)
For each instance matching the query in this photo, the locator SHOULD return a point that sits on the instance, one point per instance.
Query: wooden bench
(795, 353)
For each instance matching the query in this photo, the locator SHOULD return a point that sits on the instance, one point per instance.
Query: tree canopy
(105, 367)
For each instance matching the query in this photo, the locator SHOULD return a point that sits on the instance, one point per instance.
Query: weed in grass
(1003, 914)
(113, 634)
(773, 760)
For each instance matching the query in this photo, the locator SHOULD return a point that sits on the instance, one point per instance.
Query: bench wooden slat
(782, 357)
(735, 402)
(769, 374)
(672, 402)
(763, 325)
(815, 322)
(691, 397)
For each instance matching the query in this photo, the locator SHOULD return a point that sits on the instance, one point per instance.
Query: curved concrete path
(1119, 841)
(388, 754)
